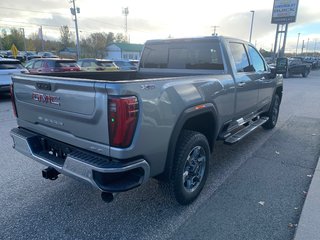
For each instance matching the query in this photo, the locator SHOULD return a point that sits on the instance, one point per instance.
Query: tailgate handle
(43, 86)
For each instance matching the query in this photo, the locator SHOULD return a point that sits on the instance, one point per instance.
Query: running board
(245, 131)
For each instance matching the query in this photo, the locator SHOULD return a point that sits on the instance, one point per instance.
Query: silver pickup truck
(116, 130)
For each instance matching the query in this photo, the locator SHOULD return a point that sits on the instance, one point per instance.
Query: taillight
(13, 101)
(123, 117)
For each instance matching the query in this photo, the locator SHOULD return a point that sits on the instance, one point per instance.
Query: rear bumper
(104, 173)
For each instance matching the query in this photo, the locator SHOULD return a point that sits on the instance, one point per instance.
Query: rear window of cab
(205, 55)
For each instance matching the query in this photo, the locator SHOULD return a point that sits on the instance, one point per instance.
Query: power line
(32, 23)
(34, 11)
(65, 14)
(54, 27)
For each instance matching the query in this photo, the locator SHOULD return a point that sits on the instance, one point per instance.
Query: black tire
(273, 113)
(285, 75)
(305, 73)
(190, 167)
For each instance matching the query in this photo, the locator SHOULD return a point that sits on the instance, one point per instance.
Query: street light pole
(307, 46)
(74, 12)
(251, 25)
(125, 12)
(297, 44)
(24, 41)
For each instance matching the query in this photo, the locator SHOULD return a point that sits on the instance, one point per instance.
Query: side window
(240, 57)
(155, 56)
(29, 65)
(86, 64)
(52, 64)
(45, 64)
(257, 61)
(37, 64)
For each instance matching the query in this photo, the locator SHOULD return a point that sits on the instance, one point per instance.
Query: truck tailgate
(70, 110)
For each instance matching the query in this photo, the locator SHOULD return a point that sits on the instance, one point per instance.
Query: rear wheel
(190, 168)
(305, 73)
(273, 113)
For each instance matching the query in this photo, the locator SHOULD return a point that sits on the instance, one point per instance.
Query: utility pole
(307, 46)
(297, 44)
(252, 18)
(215, 30)
(315, 47)
(125, 12)
(41, 37)
(74, 12)
(24, 41)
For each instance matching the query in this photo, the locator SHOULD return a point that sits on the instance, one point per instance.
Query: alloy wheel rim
(194, 169)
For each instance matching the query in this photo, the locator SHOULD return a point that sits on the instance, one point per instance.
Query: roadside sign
(14, 50)
(284, 11)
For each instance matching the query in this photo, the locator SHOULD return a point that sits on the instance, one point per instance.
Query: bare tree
(65, 36)
(95, 45)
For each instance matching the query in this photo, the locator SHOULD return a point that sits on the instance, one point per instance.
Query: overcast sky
(161, 19)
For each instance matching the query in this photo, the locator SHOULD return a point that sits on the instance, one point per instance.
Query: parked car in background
(92, 65)
(19, 57)
(135, 63)
(125, 65)
(313, 61)
(47, 55)
(46, 65)
(7, 68)
(30, 55)
(296, 66)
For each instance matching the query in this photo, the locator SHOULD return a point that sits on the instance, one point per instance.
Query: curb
(309, 223)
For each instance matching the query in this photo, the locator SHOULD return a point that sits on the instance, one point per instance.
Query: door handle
(261, 79)
(241, 84)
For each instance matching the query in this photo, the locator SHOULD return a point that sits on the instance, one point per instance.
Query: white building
(124, 51)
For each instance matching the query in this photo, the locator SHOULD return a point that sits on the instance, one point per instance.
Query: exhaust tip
(107, 197)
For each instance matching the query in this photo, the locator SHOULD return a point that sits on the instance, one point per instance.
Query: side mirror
(249, 68)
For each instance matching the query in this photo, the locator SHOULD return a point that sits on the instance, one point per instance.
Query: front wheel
(190, 168)
(273, 113)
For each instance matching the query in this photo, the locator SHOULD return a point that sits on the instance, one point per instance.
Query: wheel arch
(278, 91)
(203, 120)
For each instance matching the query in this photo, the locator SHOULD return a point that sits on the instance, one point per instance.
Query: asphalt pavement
(265, 196)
